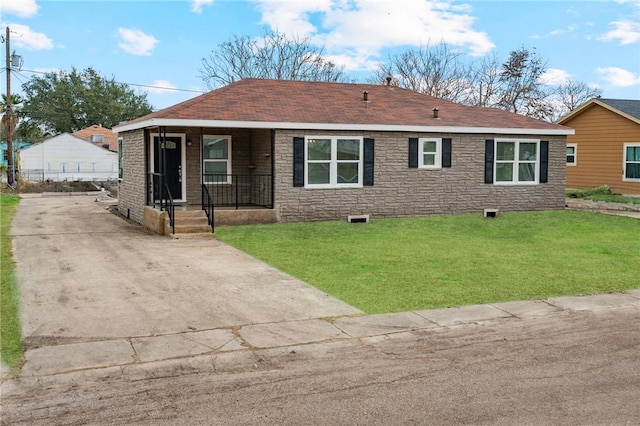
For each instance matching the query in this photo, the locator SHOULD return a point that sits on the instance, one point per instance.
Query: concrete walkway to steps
(241, 348)
(102, 295)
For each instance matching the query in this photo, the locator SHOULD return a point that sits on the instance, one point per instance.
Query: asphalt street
(574, 368)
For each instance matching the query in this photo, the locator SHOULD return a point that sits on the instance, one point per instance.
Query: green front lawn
(392, 265)
(10, 335)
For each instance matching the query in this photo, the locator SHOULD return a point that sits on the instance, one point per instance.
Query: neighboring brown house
(605, 149)
(99, 136)
(321, 151)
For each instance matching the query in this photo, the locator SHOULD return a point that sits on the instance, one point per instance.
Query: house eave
(591, 103)
(175, 122)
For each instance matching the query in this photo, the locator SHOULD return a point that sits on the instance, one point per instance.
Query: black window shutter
(544, 161)
(298, 161)
(488, 161)
(368, 151)
(413, 153)
(446, 152)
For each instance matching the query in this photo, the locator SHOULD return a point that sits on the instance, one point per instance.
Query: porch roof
(286, 104)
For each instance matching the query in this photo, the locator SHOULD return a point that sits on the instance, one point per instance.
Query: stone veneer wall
(132, 195)
(400, 191)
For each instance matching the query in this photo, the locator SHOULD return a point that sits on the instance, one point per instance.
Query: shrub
(587, 192)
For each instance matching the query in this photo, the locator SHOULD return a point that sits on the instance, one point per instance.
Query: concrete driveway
(88, 275)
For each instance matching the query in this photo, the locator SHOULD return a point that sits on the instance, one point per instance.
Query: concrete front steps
(188, 222)
(195, 221)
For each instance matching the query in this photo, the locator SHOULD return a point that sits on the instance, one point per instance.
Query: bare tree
(434, 70)
(441, 72)
(521, 89)
(570, 95)
(274, 55)
(484, 85)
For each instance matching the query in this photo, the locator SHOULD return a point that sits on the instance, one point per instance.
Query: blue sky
(161, 43)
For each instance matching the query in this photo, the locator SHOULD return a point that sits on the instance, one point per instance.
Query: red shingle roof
(340, 104)
(110, 137)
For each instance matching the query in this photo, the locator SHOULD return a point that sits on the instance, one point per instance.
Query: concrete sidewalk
(102, 296)
(243, 347)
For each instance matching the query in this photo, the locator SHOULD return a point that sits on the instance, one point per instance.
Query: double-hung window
(333, 161)
(572, 154)
(216, 159)
(632, 161)
(516, 161)
(429, 153)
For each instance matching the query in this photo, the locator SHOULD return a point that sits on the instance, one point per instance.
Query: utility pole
(8, 118)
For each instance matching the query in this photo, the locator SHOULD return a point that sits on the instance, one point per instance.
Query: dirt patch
(23, 187)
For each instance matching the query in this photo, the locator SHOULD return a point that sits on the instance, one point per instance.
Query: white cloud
(196, 5)
(161, 86)
(618, 77)
(628, 32)
(569, 29)
(23, 36)
(554, 77)
(21, 8)
(557, 32)
(136, 42)
(365, 27)
(293, 17)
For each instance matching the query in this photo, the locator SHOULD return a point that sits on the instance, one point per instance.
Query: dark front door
(173, 161)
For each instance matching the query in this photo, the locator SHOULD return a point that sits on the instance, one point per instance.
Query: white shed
(67, 157)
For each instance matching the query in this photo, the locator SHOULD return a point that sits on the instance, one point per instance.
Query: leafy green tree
(13, 120)
(69, 101)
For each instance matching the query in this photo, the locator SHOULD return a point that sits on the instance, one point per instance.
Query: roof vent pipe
(435, 112)
(389, 78)
(365, 96)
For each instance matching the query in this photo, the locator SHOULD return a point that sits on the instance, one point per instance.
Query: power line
(148, 86)
(165, 88)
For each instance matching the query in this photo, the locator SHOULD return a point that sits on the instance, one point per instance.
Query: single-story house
(305, 151)
(102, 137)
(67, 158)
(605, 149)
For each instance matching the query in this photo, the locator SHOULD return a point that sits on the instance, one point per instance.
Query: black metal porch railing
(208, 207)
(233, 190)
(170, 207)
(159, 194)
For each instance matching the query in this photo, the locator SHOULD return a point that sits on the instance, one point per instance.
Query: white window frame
(438, 153)
(625, 161)
(333, 163)
(516, 162)
(228, 160)
(575, 154)
(97, 139)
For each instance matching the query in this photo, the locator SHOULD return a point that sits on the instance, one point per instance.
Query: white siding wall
(66, 157)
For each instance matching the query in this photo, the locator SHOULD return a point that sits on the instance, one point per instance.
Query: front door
(174, 163)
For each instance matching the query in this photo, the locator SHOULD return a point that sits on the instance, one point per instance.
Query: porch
(216, 176)
(225, 200)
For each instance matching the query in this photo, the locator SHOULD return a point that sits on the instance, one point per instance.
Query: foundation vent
(358, 218)
(490, 213)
